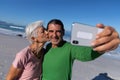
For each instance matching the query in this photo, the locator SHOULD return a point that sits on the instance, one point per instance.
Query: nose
(54, 34)
(46, 32)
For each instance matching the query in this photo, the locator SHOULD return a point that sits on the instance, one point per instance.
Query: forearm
(13, 73)
(9, 77)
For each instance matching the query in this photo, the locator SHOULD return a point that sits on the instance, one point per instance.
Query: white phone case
(83, 34)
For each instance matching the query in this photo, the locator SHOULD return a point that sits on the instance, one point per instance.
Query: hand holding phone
(83, 34)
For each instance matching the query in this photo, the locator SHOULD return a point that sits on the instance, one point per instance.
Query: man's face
(55, 34)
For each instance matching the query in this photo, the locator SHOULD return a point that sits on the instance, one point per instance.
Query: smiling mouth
(54, 40)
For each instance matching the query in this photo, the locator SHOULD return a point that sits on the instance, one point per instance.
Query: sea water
(20, 31)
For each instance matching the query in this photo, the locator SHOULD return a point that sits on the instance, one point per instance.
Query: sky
(89, 12)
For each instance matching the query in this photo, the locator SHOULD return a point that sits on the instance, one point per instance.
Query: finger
(101, 41)
(100, 26)
(109, 46)
(106, 39)
(107, 31)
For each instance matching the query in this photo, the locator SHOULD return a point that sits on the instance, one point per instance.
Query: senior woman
(27, 64)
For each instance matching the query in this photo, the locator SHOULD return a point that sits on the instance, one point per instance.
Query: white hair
(31, 28)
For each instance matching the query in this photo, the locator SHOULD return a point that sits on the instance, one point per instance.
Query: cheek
(49, 35)
(59, 35)
(40, 36)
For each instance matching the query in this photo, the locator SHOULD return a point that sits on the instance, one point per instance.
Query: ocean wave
(16, 27)
(11, 32)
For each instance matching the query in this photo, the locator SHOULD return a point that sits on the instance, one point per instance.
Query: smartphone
(83, 34)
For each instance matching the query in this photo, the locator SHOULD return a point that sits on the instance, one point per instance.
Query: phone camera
(75, 42)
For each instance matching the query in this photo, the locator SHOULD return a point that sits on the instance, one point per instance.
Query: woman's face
(42, 35)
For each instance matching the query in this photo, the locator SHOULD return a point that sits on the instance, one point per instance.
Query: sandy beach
(93, 70)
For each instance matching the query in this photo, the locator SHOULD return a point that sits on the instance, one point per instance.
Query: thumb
(100, 26)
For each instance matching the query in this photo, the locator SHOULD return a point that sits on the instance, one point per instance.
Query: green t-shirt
(57, 64)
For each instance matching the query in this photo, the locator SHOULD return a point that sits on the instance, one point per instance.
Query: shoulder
(23, 53)
(21, 58)
(67, 44)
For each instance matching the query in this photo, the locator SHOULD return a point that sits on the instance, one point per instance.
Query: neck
(36, 48)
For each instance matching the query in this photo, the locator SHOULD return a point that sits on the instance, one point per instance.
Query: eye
(59, 31)
(41, 31)
(50, 31)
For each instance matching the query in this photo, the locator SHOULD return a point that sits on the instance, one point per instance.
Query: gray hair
(30, 30)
